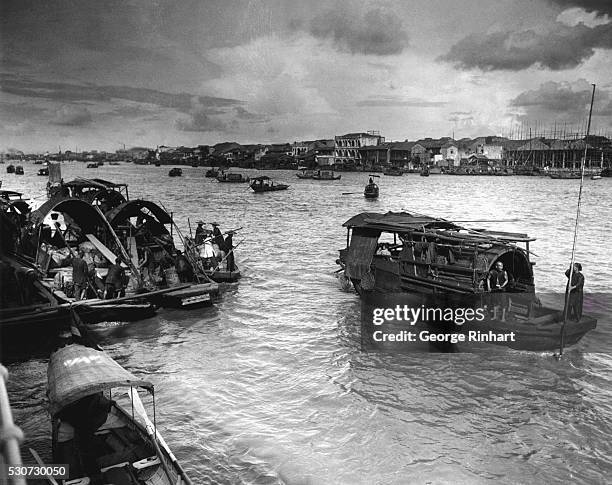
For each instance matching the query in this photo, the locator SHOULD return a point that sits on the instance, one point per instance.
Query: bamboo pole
(573, 259)
(11, 434)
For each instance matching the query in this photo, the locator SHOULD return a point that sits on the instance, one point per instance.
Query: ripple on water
(270, 386)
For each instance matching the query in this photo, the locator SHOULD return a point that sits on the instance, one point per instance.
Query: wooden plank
(107, 253)
(133, 250)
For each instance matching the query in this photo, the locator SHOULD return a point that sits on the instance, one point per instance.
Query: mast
(571, 273)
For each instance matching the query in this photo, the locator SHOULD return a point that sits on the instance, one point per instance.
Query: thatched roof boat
(93, 433)
(445, 262)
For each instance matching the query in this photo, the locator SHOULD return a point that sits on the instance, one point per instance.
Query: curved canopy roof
(76, 371)
(83, 213)
(93, 183)
(405, 222)
(134, 208)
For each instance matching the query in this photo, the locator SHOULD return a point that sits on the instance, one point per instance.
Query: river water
(270, 384)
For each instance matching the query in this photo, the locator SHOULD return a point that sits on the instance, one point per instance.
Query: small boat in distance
(393, 172)
(212, 173)
(175, 172)
(425, 171)
(18, 170)
(371, 190)
(305, 173)
(92, 165)
(325, 175)
(43, 171)
(566, 175)
(99, 424)
(10, 168)
(232, 178)
(266, 184)
(595, 177)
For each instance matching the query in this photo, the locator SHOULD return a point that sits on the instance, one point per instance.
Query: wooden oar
(42, 464)
(151, 429)
(351, 193)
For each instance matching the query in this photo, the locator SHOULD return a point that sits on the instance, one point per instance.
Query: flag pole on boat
(571, 270)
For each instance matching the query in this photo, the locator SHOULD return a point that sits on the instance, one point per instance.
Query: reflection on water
(270, 385)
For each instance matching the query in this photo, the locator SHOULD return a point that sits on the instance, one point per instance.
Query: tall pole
(571, 271)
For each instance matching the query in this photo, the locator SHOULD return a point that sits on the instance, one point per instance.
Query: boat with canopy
(443, 261)
(99, 424)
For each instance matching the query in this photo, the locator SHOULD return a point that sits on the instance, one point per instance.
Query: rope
(571, 273)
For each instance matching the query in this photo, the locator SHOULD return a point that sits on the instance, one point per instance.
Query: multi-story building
(346, 150)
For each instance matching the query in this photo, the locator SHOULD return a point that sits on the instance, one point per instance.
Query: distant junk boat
(266, 184)
(175, 172)
(232, 178)
(325, 175)
(18, 170)
(393, 172)
(305, 173)
(10, 168)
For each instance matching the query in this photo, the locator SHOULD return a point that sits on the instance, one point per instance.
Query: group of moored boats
(92, 224)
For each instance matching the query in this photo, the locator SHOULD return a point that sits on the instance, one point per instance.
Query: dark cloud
(391, 101)
(600, 6)
(377, 32)
(563, 47)
(200, 119)
(246, 115)
(67, 92)
(562, 101)
(72, 116)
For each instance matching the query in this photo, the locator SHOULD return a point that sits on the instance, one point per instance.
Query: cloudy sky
(98, 74)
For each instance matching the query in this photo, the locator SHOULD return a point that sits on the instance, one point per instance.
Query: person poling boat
(575, 283)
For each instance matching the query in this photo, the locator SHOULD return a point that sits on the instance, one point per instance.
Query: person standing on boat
(496, 283)
(80, 275)
(229, 247)
(200, 233)
(183, 268)
(114, 280)
(576, 295)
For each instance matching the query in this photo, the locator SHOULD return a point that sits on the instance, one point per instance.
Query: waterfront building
(346, 150)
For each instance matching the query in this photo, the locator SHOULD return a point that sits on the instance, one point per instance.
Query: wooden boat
(438, 261)
(305, 173)
(371, 189)
(43, 171)
(175, 172)
(393, 172)
(232, 178)
(101, 431)
(114, 163)
(223, 276)
(325, 175)
(100, 164)
(10, 168)
(425, 171)
(212, 173)
(93, 165)
(565, 175)
(266, 184)
(18, 170)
